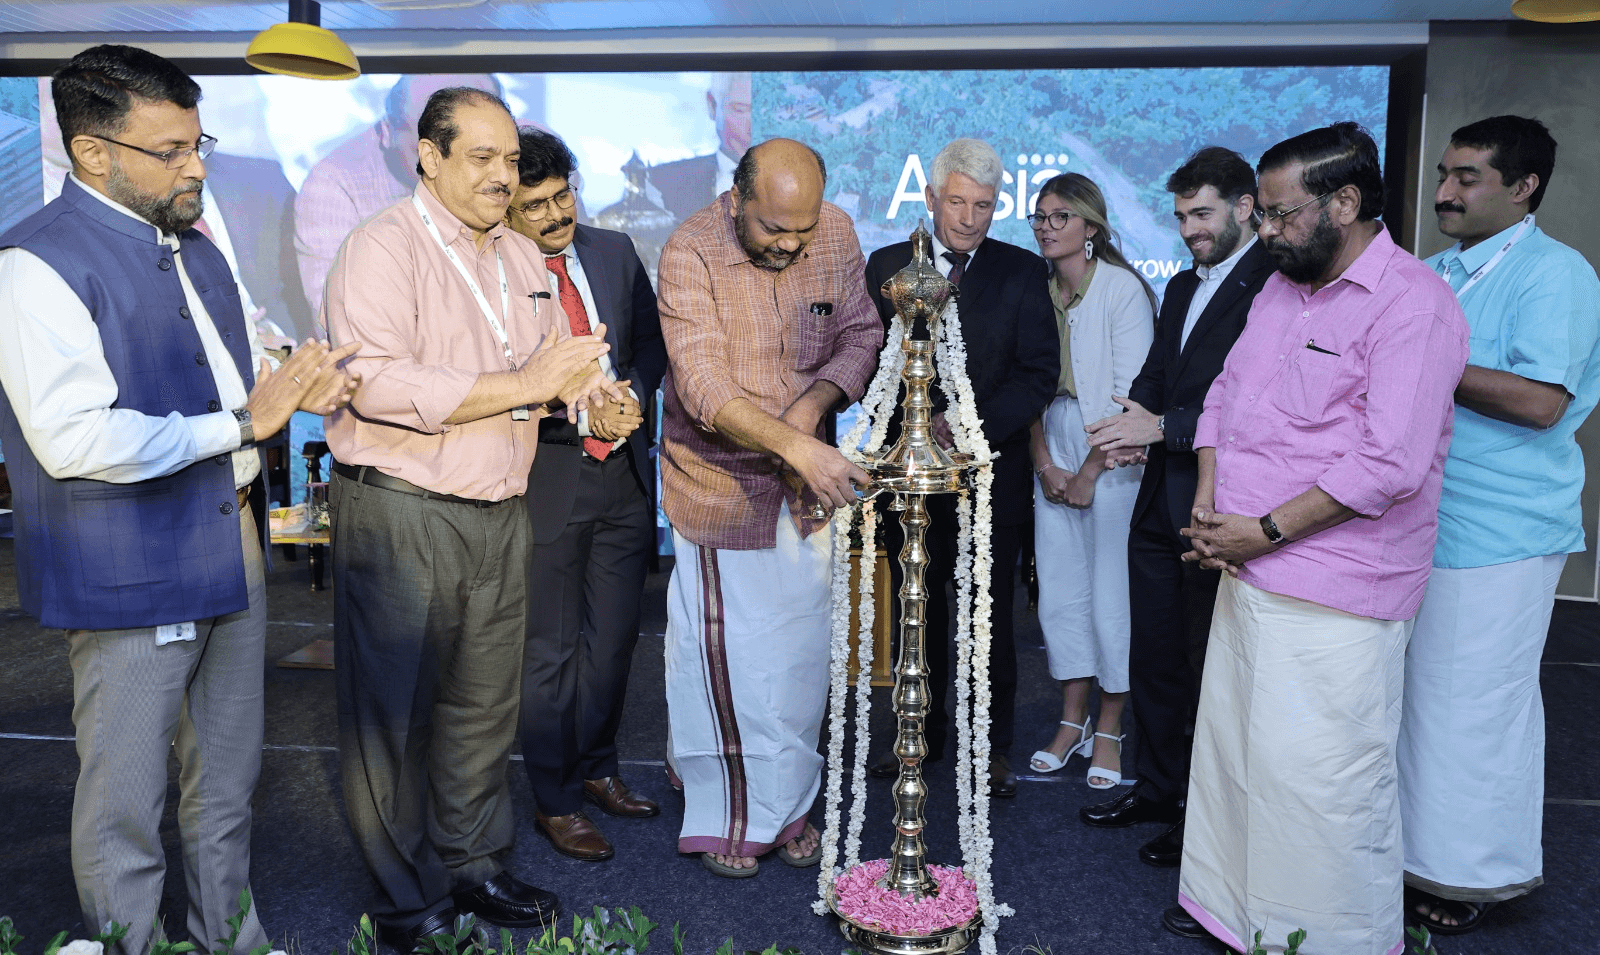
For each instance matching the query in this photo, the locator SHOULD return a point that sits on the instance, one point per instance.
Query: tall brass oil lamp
(913, 469)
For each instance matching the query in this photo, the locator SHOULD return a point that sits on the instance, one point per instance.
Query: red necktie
(578, 318)
(958, 265)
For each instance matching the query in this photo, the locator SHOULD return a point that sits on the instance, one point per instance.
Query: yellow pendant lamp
(302, 47)
(1557, 11)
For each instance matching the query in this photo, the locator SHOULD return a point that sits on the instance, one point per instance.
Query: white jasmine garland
(964, 777)
(838, 685)
(878, 404)
(865, 652)
(974, 625)
(982, 610)
(877, 407)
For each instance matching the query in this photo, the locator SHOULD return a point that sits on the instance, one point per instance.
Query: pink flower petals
(864, 902)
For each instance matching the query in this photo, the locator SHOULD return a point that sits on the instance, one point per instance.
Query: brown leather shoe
(576, 836)
(613, 795)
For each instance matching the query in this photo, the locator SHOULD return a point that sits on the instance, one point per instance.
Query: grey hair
(973, 158)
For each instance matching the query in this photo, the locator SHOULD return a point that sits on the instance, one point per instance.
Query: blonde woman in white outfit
(1083, 503)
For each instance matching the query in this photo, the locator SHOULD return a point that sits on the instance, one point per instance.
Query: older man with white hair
(1013, 359)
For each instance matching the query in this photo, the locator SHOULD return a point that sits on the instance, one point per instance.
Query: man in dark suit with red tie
(1013, 361)
(1202, 314)
(591, 503)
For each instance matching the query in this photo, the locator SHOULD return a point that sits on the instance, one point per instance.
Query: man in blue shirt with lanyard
(1471, 750)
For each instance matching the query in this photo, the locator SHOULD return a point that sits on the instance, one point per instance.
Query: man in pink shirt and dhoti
(768, 328)
(1335, 404)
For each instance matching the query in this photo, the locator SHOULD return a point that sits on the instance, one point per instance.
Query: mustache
(556, 226)
(496, 191)
(1448, 207)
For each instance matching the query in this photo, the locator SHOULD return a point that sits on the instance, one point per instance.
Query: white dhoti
(747, 685)
(1082, 561)
(1471, 752)
(1293, 818)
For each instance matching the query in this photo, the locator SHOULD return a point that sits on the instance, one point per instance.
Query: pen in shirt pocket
(1312, 344)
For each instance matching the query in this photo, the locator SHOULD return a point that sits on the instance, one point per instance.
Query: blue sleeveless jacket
(93, 555)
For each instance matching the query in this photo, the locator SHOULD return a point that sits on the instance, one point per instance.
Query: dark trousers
(1170, 622)
(584, 590)
(942, 535)
(429, 604)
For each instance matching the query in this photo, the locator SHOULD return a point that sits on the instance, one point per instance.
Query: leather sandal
(801, 862)
(1468, 915)
(709, 860)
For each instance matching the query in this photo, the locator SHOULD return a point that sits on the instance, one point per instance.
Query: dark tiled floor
(1075, 889)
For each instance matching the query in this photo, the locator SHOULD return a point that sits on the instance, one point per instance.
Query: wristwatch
(247, 431)
(1268, 527)
(1161, 425)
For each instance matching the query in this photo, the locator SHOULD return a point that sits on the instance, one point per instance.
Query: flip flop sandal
(709, 860)
(1468, 915)
(802, 862)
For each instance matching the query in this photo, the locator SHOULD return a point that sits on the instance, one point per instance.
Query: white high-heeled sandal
(1100, 772)
(1045, 761)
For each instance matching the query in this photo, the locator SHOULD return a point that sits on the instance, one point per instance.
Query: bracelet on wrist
(1039, 472)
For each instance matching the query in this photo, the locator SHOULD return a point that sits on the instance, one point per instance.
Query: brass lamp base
(945, 941)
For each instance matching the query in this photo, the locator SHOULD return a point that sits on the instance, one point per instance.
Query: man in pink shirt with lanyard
(466, 352)
(1335, 404)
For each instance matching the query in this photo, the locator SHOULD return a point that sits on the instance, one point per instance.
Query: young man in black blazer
(1013, 360)
(590, 498)
(1202, 314)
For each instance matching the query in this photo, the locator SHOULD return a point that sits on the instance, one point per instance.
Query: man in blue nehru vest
(130, 414)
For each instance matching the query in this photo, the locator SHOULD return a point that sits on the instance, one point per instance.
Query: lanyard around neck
(1487, 267)
(472, 283)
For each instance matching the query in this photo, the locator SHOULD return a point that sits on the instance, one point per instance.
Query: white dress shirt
(53, 367)
(580, 281)
(1211, 278)
(726, 166)
(944, 265)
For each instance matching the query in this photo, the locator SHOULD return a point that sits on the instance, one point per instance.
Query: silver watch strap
(247, 429)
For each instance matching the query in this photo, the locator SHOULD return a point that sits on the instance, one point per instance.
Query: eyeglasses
(537, 208)
(1057, 220)
(172, 158)
(1279, 218)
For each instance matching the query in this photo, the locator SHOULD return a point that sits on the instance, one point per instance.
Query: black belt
(376, 478)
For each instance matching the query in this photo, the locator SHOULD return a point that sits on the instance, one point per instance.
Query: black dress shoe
(1002, 781)
(1179, 922)
(407, 940)
(1164, 851)
(886, 765)
(508, 901)
(1130, 809)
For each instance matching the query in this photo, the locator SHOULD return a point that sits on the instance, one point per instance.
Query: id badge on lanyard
(498, 327)
(1489, 266)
